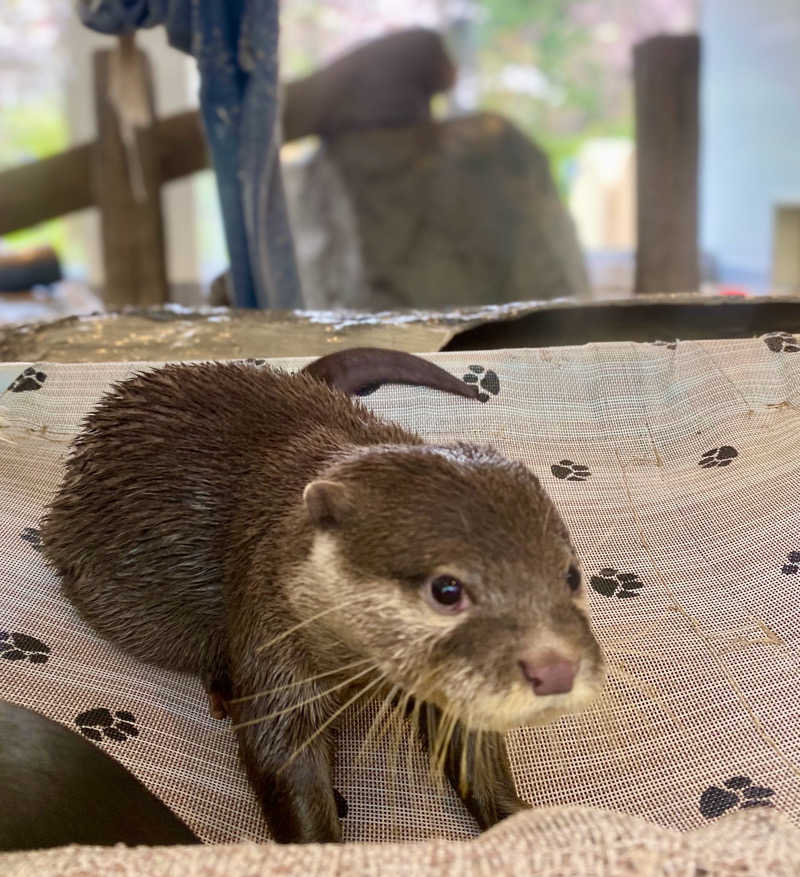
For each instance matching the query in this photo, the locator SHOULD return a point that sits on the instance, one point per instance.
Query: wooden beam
(387, 82)
(61, 184)
(666, 72)
(45, 189)
(181, 143)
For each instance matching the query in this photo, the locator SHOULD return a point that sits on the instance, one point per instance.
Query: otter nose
(549, 673)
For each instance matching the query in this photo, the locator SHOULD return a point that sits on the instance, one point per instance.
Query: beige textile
(548, 843)
(687, 520)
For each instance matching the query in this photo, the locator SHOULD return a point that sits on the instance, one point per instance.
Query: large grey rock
(326, 234)
(461, 212)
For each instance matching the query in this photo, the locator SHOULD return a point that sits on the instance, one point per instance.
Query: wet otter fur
(274, 536)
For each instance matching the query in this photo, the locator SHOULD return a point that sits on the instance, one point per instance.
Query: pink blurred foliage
(617, 25)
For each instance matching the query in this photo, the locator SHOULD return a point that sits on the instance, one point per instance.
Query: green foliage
(547, 36)
(31, 130)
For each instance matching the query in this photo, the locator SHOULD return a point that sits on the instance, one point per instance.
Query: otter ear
(327, 503)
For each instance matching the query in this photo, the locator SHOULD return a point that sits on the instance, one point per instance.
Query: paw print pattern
(739, 792)
(32, 535)
(609, 582)
(793, 566)
(721, 456)
(487, 381)
(670, 345)
(21, 647)
(569, 471)
(99, 722)
(30, 379)
(782, 342)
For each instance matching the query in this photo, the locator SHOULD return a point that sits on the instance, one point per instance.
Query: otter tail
(361, 370)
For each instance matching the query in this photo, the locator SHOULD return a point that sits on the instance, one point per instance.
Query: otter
(271, 534)
(361, 370)
(65, 790)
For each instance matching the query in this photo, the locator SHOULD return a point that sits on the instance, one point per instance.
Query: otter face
(457, 577)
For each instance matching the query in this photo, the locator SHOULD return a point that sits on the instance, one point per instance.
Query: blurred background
(537, 128)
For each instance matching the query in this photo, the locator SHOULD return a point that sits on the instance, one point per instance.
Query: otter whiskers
(444, 736)
(348, 703)
(463, 784)
(299, 682)
(306, 701)
(392, 712)
(283, 634)
(404, 709)
(386, 709)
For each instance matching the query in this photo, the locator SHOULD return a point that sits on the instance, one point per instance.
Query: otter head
(456, 575)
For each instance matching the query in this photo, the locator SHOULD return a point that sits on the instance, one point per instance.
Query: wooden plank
(45, 189)
(666, 73)
(126, 189)
(181, 143)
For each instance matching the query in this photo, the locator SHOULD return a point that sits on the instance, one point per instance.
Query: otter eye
(573, 578)
(446, 594)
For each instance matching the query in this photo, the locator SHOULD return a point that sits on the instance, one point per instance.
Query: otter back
(174, 475)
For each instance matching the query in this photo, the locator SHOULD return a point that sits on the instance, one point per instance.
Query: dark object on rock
(60, 789)
(463, 212)
(386, 82)
(360, 369)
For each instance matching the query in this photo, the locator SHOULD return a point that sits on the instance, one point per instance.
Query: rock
(460, 212)
(326, 234)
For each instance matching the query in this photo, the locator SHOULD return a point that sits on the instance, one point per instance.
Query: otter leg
(490, 794)
(218, 691)
(296, 794)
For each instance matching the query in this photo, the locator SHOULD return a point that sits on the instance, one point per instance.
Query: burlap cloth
(676, 468)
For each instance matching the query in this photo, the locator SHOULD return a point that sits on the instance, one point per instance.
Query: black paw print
(609, 582)
(32, 535)
(793, 566)
(341, 804)
(738, 792)
(722, 456)
(487, 381)
(570, 471)
(98, 723)
(21, 647)
(30, 379)
(782, 342)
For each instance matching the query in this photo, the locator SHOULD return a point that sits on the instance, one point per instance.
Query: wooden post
(126, 177)
(666, 72)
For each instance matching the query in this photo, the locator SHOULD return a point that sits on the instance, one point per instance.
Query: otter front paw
(218, 692)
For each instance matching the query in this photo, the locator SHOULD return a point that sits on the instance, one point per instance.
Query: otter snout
(549, 672)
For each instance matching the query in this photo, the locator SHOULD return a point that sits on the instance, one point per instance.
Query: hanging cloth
(235, 44)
